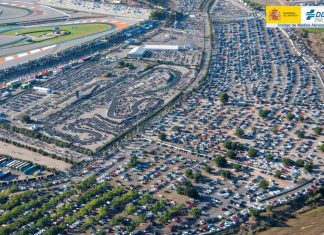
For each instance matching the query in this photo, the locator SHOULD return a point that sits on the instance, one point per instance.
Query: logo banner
(295, 16)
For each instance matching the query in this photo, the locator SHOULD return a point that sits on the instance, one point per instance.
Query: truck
(30, 170)
(14, 84)
(4, 174)
(11, 163)
(24, 167)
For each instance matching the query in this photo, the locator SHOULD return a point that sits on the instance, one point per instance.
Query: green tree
(220, 161)
(145, 199)
(225, 174)
(231, 154)
(322, 147)
(130, 209)
(290, 116)
(263, 113)
(299, 163)
(224, 97)
(287, 161)
(43, 222)
(208, 169)
(308, 166)
(158, 15)
(188, 173)
(254, 212)
(159, 205)
(162, 136)
(275, 130)
(102, 212)
(176, 128)
(277, 174)
(180, 190)
(263, 184)
(195, 212)
(252, 152)
(318, 130)
(116, 220)
(89, 220)
(191, 192)
(269, 157)
(133, 161)
(239, 132)
(197, 175)
(300, 134)
(26, 119)
(187, 190)
(228, 144)
(236, 166)
(233, 145)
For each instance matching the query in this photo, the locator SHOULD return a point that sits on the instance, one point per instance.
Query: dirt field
(27, 155)
(313, 40)
(310, 223)
(271, 2)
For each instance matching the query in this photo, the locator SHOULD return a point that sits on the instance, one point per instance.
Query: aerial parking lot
(126, 120)
(117, 102)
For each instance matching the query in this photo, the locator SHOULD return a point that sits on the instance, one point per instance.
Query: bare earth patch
(27, 155)
(310, 223)
(313, 41)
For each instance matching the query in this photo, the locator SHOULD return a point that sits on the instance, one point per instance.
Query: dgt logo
(311, 14)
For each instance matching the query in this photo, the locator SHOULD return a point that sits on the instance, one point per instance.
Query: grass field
(314, 30)
(75, 31)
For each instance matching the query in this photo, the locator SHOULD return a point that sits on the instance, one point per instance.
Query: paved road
(59, 46)
(9, 13)
(21, 11)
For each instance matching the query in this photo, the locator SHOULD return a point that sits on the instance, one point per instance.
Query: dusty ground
(27, 155)
(308, 223)
(314, 41)
(271, 2)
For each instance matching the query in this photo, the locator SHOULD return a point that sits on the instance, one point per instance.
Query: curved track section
(9, 13)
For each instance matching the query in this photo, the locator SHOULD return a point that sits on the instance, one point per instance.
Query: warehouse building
(137, 52)
(162, 47)
(141, 52)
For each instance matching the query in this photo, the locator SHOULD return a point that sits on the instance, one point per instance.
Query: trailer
(14, 83)
(19, 165)
(11, 163)
(26, 164)
(25, 167)
(31, 170)
(42, 89)
(4, 163)
(5, 174)
(15, 164)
